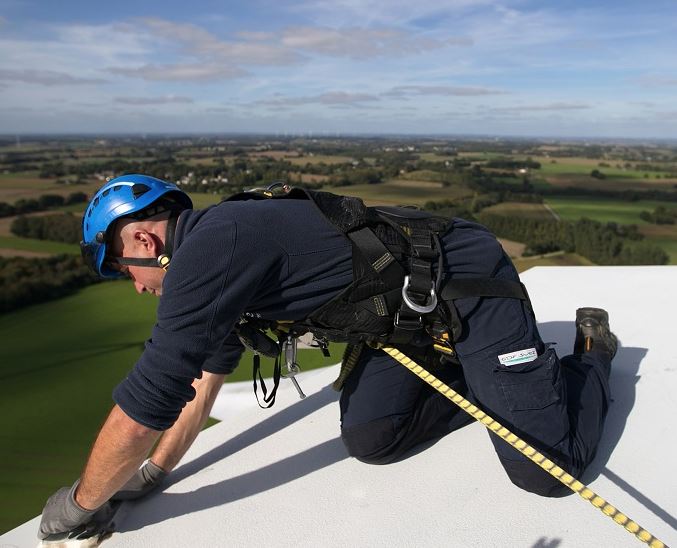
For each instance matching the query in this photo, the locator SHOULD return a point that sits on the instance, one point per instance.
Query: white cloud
(557, 106)
(381, 12)
(143, 101)
(46, 77)
(193, 72)
(363, 43)
(653, 80)
(455, 91)
(329, 98)
(204, 45)
(255, 36)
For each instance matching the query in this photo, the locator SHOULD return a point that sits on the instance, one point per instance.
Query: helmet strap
(163, 260)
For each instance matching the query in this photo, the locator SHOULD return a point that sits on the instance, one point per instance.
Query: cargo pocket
(531, 385)
(535, 399)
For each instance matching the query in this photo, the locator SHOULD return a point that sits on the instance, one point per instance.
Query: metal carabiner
(421, 309)
(292, 368)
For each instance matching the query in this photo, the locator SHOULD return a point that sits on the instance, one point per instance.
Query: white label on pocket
(520, 356)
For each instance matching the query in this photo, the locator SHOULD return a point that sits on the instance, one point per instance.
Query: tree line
(43, 203)
(62, 227)
(660, 216)
(602, 243)
(24, 282)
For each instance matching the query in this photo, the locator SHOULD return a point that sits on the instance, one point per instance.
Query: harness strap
(378, 256)
(258, 379)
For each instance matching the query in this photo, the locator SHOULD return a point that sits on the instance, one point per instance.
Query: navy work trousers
(557, 406)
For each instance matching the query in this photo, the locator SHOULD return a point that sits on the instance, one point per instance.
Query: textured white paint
(282, 477)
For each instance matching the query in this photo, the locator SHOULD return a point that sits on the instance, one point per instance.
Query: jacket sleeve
(226, 358)
(212, 278)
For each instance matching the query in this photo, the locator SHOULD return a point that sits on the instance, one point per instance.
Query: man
(443, 292)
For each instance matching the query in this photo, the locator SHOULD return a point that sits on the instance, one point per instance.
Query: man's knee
(531, 477)
(373, 442)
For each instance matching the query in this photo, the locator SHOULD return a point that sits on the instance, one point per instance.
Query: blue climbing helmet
(133, 196)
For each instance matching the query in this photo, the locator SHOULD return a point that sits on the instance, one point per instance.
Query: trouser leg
(559, 410)
(386, 410)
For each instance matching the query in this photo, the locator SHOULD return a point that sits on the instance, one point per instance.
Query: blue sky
(503, 67)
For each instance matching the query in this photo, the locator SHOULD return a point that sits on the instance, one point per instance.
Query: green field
(60, 363)
(402, 192)
(601, 209)
(537, 212)
(38, 246)
(583, 166)
(202, 200)
(320, 159)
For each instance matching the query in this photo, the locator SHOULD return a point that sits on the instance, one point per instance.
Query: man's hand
(146, 478)
(62, 514)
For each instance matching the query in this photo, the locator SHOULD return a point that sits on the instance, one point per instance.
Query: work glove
(144, 480)
(62, 514)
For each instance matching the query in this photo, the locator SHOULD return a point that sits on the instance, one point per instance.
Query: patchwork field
(601, 209)
(402, 192)
(539, 212)
(319, 159)
(17, 186)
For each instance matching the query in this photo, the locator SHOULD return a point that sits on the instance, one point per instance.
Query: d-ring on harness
(527, 450)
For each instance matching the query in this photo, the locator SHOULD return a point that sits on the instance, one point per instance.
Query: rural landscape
(69, 339)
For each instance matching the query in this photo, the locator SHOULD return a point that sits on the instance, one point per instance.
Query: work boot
(593, 332)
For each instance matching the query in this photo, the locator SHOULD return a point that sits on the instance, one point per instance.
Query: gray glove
(62, 514)
(144, 480)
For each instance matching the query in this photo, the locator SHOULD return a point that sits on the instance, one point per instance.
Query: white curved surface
(282, 477)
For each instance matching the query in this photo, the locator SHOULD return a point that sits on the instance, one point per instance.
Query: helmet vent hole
(116, 188)
(96, 201)
(139, 190)
(106, 192)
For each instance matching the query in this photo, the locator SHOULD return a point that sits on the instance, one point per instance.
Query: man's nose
(140, 288)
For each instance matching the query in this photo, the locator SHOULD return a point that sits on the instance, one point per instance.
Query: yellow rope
(528, 451)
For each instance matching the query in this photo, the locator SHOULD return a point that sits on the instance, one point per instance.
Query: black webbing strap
(378, 256)
(459, 288)
(258, 379)
(425, 250)
(134, 261)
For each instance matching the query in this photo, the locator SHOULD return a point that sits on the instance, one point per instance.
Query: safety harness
(398, 295)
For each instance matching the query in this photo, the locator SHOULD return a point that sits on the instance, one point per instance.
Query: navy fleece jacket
(280, 259)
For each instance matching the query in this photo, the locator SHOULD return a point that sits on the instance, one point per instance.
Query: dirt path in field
(552, 212)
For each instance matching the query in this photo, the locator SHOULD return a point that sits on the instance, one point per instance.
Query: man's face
(131, 241)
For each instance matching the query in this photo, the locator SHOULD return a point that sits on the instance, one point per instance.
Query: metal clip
(291, 367)
(425, 309)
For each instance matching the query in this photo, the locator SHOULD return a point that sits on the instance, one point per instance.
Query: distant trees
(597, 174)
(63, 227)
(602, 243)
(660, 216)
(368, 176)
(44, 202)
(25, 281)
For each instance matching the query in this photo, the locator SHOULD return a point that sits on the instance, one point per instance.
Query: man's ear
(147, 241)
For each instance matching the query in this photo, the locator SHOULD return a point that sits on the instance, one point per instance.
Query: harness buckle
(421, 309)
(406, 324)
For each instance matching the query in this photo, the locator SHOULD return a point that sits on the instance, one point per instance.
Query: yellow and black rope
(527, 450)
